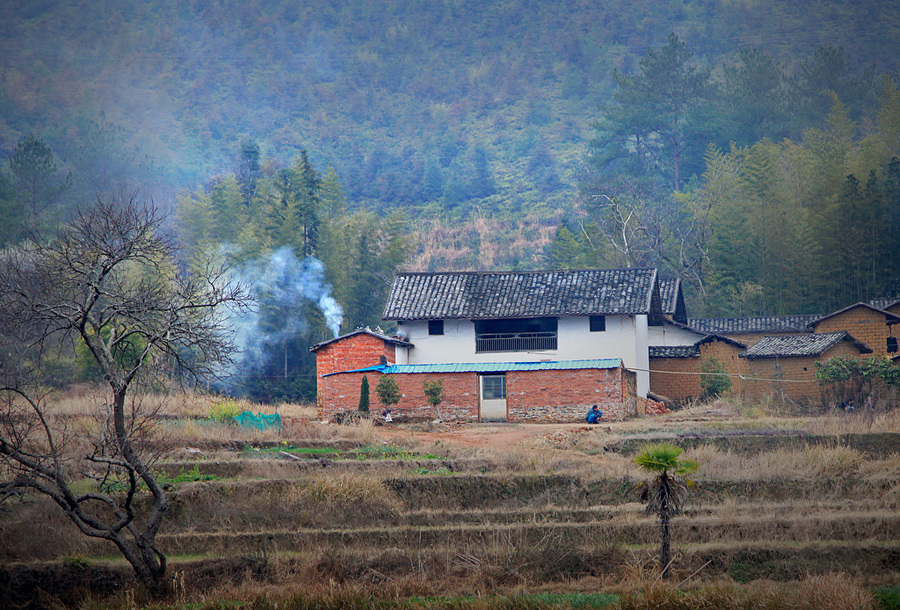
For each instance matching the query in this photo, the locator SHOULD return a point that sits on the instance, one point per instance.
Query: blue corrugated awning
(489, 367)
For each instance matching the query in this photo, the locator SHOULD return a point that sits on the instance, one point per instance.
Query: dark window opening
(435, 327)
(598, 324)
(891, 344)
(519, 335)
(493, 387)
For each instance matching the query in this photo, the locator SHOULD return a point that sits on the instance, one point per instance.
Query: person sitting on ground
(386, 414)
(594, 415)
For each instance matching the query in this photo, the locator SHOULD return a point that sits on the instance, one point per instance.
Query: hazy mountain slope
(468, 105)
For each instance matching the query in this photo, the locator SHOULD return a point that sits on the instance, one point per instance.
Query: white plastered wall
(669, 334)
(625, 337)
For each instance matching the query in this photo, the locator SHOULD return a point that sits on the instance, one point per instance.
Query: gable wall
(351, 353)
(865, 325)
(356, 352)
(668, 334)
(729, 356)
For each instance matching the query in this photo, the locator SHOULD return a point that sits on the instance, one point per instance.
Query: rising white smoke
(283, 281)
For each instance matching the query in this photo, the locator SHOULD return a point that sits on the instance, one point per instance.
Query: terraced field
(778, 500)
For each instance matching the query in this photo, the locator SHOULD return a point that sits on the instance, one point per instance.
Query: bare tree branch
(110, 281)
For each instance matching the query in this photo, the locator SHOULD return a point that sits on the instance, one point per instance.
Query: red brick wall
(865, 325)
(566, 396)
(356, 352)
(341, 393)
(532, 396)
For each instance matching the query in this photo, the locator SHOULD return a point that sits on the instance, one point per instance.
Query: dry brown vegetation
(788, 511)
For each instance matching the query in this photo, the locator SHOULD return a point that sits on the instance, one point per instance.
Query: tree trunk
(140, 550)
(665, 554)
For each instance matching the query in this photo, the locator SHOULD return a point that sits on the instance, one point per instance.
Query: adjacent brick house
(875, 327)
(786, 365)
(356, 350)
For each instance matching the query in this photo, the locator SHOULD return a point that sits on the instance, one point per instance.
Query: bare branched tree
(638, 227)
(110, 282)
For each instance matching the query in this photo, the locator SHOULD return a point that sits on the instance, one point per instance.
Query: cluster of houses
(545, 346)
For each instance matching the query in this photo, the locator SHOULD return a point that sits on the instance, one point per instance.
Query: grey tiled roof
(674, 351)
(884, 302)
(471, 295)
(363, 331)
(723, 338)
(668, 293)
(753, 324)
(812, 344)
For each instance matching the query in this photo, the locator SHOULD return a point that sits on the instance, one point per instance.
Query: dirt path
(491, 435)
(498, 435)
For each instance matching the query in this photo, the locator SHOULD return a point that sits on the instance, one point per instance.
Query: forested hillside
(749, 147)
(456, 108)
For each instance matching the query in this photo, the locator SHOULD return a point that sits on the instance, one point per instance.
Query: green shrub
(434, 393)
(714, 379)
(187, 477)
(77, 561)
(364, 395)
(388, 391)
(888, 597)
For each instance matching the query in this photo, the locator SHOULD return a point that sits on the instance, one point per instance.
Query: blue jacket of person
(594, 415)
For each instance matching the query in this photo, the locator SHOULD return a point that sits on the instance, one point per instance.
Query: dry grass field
(788, 511)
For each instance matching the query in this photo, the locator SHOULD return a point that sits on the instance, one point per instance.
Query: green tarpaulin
(259, 421)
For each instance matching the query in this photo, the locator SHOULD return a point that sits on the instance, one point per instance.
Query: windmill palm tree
(666, 492)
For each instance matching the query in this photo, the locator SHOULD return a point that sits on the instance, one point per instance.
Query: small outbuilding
(785, 365)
